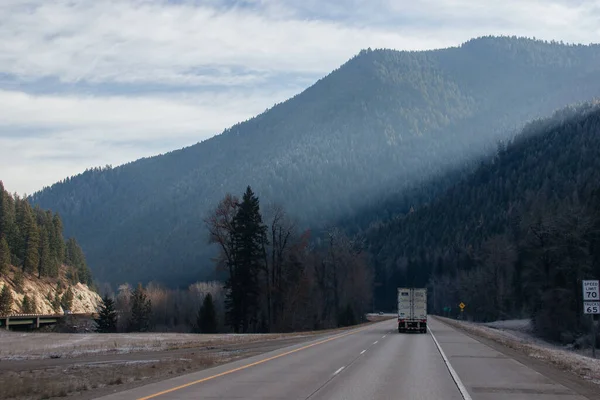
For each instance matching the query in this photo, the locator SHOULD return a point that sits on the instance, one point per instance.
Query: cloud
(90, 82)
(44, 138)
(154, 42)
(201, 43)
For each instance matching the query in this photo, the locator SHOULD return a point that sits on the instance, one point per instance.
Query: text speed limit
(591, 290)
(591, 307)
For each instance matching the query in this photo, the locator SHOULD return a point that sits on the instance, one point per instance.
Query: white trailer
(412, 310)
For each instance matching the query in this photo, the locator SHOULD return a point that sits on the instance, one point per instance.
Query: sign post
(462, 309)
(591, 306)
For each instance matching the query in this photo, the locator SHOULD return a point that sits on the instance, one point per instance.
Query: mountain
(514, 238)
(379, 125)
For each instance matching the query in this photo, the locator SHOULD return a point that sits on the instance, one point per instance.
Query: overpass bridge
(32, 320)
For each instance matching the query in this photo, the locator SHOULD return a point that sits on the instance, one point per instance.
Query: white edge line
(463, 390)
(338, 371)
(383, 337)
(363, 352)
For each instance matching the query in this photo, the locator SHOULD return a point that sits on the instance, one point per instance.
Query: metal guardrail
(47, 315)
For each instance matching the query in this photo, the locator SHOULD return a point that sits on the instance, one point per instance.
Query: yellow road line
(250, 365)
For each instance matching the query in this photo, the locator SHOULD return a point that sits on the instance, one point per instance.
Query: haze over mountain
(382, 123)
(514, 238)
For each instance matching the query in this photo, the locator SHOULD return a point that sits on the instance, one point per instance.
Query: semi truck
(412, 310)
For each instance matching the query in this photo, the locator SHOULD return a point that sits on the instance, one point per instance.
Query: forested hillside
(382, 123)
(32, 239)
(39, 270)
(515, 238)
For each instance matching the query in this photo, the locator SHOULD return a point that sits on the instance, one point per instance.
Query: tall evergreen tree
(141, 309)
(8, 217)
(4, 255)
(45, 256)
(32, 242)
(207, 316)
(4, 211)
(28, 305)
(58, 244)
(107, 316)
(18, 281)
(6, 301)
(66, 300)
(74, 257)
(56, 302)
(249, 234)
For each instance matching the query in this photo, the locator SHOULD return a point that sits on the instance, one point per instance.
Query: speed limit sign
(591, 307)
(591, 291)
(591, 297)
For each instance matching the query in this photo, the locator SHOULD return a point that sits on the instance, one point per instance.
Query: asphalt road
(373, 362)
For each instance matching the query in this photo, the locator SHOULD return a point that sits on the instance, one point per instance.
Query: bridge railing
(57, 315)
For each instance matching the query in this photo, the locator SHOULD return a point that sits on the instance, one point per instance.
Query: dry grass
(40, 345)
(73, 380)
(380, 318)
(84, 380)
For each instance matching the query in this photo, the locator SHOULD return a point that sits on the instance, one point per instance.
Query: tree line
(32, 239)
(276, 279)
(156, 308)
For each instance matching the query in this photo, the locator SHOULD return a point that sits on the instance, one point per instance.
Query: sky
(86, 83)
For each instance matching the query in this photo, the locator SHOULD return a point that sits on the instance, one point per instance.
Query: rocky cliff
(45, 294)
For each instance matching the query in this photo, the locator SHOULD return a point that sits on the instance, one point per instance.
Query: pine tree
(18, 281)
(45, 257)
(7, 219)
(19, 237)
(207, 316)
(141, 309)
(74, 257)
(56, 302)
(32, 243)
(28, 305)
(107, 316)
(66, 300)
(242, 286)
(4, 255)
(6, 301)
(4, 211)
(57, 244)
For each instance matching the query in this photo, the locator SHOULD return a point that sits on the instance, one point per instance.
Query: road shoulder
(561, 375)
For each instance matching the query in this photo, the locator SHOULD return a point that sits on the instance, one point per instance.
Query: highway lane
(373, 362)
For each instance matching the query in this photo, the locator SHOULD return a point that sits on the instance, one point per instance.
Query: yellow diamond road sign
(462, 305)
